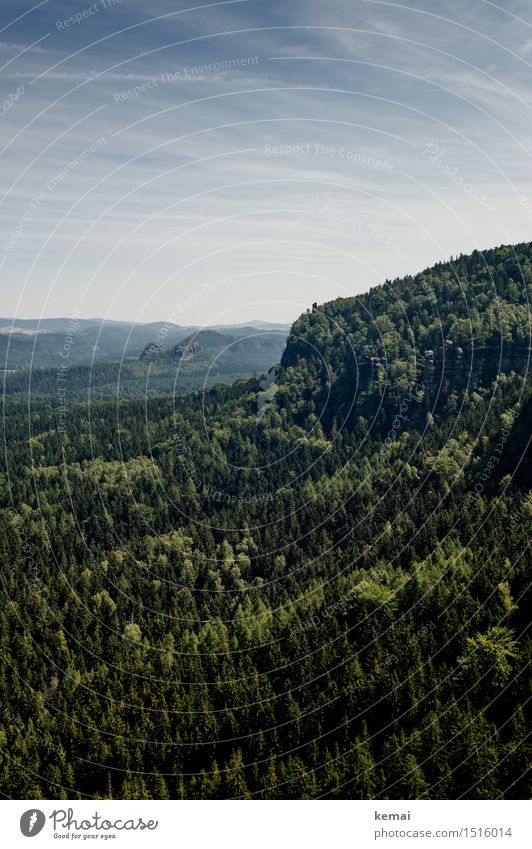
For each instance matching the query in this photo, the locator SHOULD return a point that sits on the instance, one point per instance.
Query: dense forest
(314, 584)
(158, 369)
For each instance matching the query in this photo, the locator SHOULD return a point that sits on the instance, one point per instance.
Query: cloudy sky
(228, 161)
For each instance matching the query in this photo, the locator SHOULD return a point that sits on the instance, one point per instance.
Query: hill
(200, 359)
(36, 344)
(449, 327)
(312, 585)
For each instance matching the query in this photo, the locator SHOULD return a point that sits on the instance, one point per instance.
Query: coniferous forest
(308, 584)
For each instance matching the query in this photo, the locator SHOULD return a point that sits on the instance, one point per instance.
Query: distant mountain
(59, 324)
(47, 343)
(170, 361)
(14, 330)
(78, 344)
(262, 347)
(252, 325)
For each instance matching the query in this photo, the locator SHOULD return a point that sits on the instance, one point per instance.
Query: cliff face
(186, 353)
(369, 371)
(454, 366)
(151, 352)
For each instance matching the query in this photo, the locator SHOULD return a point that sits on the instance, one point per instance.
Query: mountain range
(35, 343)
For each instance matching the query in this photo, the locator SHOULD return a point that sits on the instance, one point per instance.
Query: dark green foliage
(200, 602)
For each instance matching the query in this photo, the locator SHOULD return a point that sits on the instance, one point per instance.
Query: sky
(214, 163)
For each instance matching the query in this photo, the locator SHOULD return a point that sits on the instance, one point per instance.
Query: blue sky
(227, 161)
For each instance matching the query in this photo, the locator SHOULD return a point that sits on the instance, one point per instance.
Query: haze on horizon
(240, 160)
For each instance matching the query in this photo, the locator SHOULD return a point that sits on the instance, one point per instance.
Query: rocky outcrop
(151, 352)
(369, 369)
(182, 353)
(186, 353)
(455, 366)
(452, 367)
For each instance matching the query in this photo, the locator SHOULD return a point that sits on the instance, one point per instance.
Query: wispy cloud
(184, 189)
(526, 48)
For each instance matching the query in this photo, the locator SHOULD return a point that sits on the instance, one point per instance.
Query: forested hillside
(311, 585)
(158, 369)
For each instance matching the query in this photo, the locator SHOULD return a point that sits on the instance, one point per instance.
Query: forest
(156, 369)
(314, 584)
